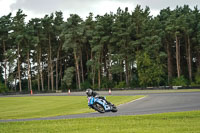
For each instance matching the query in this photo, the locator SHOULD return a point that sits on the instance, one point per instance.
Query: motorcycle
(101, 105)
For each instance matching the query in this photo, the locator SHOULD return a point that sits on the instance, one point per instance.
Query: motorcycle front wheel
(114, 108)
(98, 107)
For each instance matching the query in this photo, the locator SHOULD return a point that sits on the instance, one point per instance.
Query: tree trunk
(99, 77)
(82, 73)
(189, 59)
(198, 61)
(77, 69)
(121, 74)
(29, 71)
(178, 57)
(57, 69)
(109, 69)
(93, 77)
(93, 71)
(169, 62)
(51, 64)
(61, 77)
(48, 71)
(15, 83)
(57, 61)
(38, 79)
(40, 67)
(99, 71)
(105, 62)
(87, 58)
(19, 69)
(5, 63)
(127, 72)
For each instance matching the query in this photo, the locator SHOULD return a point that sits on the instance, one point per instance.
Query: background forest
(126, 49)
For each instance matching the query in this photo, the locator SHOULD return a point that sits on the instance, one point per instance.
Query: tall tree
(122, 35)
(58, 21)
(196, 49)
(99, 46)
(73, 32)
(5, 27)
(88, 25)
(188, 23)
(47, 23)
(18, 25)
(31, 40)
(37, 40)
(167, 40)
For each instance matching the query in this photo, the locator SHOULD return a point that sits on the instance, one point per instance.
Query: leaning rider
(90, 93)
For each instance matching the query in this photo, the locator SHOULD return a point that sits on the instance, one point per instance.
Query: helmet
(89, 92)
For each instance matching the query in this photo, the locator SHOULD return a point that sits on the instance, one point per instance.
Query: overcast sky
(38, 8)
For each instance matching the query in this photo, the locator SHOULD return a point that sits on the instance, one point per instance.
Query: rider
(90, 93)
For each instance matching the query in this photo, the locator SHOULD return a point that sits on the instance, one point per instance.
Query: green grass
(45, 106)
(180, 122)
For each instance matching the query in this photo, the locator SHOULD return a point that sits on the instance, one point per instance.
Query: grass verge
(179, 122)
(45, 106)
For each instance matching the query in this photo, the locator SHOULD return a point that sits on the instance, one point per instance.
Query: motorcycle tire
(98, 107)
(114, 108)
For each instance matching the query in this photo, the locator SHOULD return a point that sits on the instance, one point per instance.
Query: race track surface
(152, 103)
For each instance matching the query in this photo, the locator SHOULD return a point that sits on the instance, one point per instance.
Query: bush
(134, 82)
(180, 81)
(150, 70)
(95, 87)
(85, 85)
(121, 85)
(106, 83)
(197, 77)
(3, 88)
(193, 84)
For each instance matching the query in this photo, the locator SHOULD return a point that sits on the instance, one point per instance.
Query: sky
(39, 8)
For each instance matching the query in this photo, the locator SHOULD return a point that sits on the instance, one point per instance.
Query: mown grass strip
(45, 106)
(179, 122)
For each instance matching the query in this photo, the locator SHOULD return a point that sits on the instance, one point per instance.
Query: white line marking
(132, 101)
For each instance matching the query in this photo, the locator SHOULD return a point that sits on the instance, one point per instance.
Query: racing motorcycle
(101, 105)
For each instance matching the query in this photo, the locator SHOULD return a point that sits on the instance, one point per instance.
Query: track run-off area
(153, 102)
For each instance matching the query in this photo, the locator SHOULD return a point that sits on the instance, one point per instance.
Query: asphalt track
(152, 103)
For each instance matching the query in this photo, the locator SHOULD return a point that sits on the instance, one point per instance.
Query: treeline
(117, 50)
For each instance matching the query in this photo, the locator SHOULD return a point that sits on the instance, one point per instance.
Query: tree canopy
(126, 49)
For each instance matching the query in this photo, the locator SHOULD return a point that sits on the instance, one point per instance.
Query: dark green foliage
(197, 77)
(121, 85)
(180, 81)
(68, 77)
(3, 88)
(150, 72)
(86, 85)
(106, 83)
(121, 50)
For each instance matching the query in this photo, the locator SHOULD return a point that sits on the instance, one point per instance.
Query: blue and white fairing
(92, 100)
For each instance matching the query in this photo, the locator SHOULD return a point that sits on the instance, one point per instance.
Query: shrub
(121, 85)
(3, 88)
(180, 81)
(106, 83)
(150, 70)
(197, 77)
(85, 85)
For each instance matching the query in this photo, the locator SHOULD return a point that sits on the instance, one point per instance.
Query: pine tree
(5, 27)
(18, 25)
(72, 31)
